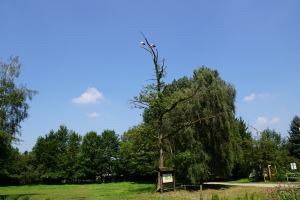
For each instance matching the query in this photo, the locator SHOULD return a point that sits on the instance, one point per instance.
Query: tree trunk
(161, 156)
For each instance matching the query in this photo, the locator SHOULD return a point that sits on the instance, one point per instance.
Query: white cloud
(94, 114)
(251, 97)
(264, 120)
(92, 95)
(274, 120)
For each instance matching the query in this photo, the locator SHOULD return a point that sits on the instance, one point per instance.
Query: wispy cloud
(94, 114)
(91, 95)
(264, 120)
(251, 97)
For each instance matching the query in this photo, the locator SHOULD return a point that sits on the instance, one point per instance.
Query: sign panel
(293, 166)
(167, 178)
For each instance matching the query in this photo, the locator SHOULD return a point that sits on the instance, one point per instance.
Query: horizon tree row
(63, 156)
(188, 124)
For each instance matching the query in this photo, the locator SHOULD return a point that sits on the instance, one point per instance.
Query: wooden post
(161, 183)
(174, 184)
(201, 197)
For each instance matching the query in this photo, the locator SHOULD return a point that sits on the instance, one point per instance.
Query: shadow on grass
(169, 187)
(16, 196)
(140, 190)
(205, 187)
(149, 187)
(216, 186)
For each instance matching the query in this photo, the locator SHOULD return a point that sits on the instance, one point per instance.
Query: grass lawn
(123, 190)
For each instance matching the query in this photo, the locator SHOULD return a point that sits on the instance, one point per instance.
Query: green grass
(124, 190)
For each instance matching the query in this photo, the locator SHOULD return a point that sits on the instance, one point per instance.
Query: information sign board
(167, 178)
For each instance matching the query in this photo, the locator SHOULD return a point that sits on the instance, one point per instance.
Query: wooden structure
(269, 171)
(166, 176)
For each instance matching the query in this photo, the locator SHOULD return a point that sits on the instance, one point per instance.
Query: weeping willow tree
(193, 119)
(207, 141)
(155, 97)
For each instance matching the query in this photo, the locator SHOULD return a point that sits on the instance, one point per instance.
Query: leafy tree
(13, 104)
(154, 97)
(242, 166)
(52, 156)
(10, 172)
(5, 146)
(294, 133)
(73, 157)
(20, 168)
(208, 144)
(269, 147)
(110, 144)
(138, 151)
(28, 173)
(161, 99)
(91, 156)
(201, 108)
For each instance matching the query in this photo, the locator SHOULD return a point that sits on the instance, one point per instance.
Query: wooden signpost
(167, 176)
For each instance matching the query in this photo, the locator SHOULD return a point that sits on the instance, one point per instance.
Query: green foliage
(138, 151)
(242, 168)
(268, 148)
(5, 146)
(64, 156)
(203, 129)
(110, 144)
(15, 197)
(19, 169)
(13, 106)
(55, 155)
(73, 156)
(12, 197)
(294, 139)
(246, 197)
(196, 116)
(91, 156)
(26, 197)
(10, 171)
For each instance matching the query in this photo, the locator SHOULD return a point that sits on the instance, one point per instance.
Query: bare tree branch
(186, 124)
(179, 101)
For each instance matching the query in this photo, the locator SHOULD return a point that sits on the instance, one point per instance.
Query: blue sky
(84, 57)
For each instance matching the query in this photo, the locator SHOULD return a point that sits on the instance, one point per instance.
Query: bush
(26, 197)
(284, 192)
(12, 197)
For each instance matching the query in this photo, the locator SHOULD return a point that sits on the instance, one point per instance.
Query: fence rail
(294, 176)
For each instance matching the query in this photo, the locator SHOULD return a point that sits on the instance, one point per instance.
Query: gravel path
(246, 184)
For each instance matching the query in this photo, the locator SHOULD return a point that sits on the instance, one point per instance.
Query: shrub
(287, 192)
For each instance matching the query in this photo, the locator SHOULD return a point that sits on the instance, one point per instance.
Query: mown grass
(124, 190)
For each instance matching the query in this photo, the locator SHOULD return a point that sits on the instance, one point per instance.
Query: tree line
(188, 124)
(64, 156)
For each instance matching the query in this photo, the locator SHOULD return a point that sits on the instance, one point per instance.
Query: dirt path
(247, 184)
